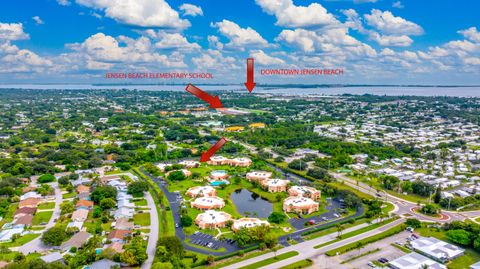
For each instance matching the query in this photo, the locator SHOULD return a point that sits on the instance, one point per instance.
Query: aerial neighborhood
(121, 182)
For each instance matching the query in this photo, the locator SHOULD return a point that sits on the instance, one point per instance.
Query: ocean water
(376, 90)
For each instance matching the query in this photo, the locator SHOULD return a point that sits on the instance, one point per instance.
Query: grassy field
(49, 205)
(271, 260)
(299, 264)
(142, 219)
(40, 217)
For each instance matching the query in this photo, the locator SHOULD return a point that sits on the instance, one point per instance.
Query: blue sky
(374, 41)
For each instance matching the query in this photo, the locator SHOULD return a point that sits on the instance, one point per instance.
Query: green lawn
(299, 264)
(366, 241)
(333, 229)
(271, 260)
(142, 219)
(21, 241)
(69, 195)
(40, 217)
(356, 232)
(49, 205)
(140, 202)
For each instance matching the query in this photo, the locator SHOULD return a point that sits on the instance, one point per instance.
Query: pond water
(247, 201)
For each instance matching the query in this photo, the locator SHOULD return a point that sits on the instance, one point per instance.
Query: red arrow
(206, 155)
(214, 101)
(250, 84)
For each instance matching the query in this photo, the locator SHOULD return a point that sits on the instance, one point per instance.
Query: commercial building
(436, 249)
(415, 261)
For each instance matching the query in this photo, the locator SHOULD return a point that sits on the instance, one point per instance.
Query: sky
(373, 41)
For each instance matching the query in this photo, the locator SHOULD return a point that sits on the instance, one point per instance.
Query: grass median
(271, 260)
(361, 243)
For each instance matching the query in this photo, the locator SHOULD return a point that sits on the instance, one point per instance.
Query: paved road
(153, 237)
(306, 249)
(37, 245)
(405, 206)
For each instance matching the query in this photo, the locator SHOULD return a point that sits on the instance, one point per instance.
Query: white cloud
(334, 41)
(144, 13)
(122, 50)
(37, 20)
(168, 40)
(391, 40)
(12, 31)
(239, 37)
(214, 42)
(289, 15)
(63, 2)
(387, 23)
(471, 34)
(213, 59)
(398, 4)
(263, 59)
(191, 10)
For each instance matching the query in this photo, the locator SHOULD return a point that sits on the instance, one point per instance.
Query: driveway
(153, 237)
(36, 245)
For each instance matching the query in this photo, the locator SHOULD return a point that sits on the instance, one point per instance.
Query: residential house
(77, 240)
(80, 215)
(30, 202)
(123, 224)
(118, 235)
(84, 204)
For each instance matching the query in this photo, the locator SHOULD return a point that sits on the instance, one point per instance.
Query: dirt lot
(386, 251)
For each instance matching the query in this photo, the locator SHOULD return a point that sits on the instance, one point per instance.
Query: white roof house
(6, 235)
(124, 212)
(30, 194)
(475, 266)
(52, 257)
(437, 249)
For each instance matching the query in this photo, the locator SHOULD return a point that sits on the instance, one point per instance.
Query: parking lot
(208, 241)
(334, 207)
(386, 251)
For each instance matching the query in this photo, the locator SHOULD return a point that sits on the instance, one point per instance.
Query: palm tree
(424, 266)
(340, 228)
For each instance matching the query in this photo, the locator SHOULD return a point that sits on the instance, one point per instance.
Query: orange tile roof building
(30, 202)
(83, 189)
(84, 204)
